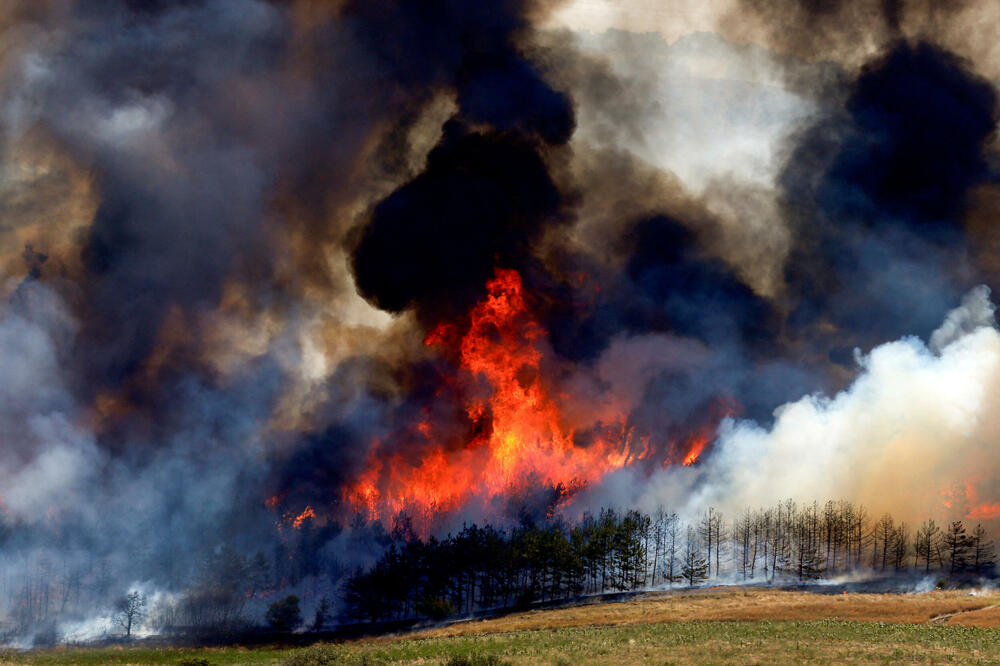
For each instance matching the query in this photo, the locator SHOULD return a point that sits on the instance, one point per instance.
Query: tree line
(230, 586)
(486, 567)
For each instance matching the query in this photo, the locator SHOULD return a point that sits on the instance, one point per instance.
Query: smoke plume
(286, 280)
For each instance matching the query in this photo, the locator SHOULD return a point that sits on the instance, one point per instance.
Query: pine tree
(926, 544)
(956, 545)
(694, 566)
(983, 554)
(323, 612)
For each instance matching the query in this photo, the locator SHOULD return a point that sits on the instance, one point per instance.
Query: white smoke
(48, 458)
(975, 312)
(914, 435)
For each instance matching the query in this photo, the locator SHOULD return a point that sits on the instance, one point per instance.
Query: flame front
(523, 436)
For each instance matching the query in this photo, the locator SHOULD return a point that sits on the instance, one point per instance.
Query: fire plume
(525, 437)
(697, 445)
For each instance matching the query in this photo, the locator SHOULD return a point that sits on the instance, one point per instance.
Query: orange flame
(504, 355)
(979, 507)
(964, 498)
(984, 511)
(697, 445)
(301, 518)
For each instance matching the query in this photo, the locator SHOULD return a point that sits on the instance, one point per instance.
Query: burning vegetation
(294, 288)
(518, 437)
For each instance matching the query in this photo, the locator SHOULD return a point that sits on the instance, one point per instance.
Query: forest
(484, 567)
(399, 575)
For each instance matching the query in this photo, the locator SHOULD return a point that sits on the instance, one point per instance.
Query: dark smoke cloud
(470, 49)
(669, 284)
(879, 193)
(247, 159)
(698, 294)
(482, 202)
(920, 120)
(136, 99)
(192, 119)
(484, 197)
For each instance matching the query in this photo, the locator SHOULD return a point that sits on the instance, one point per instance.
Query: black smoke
(485, 195)
(878, 195)
(481, 203)
(255, 173)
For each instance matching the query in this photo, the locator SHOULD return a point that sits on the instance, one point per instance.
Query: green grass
(690, 642)
(125, 655)
(827, 641)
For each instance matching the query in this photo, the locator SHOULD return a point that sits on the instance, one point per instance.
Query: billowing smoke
(912, 435)
(283, 280)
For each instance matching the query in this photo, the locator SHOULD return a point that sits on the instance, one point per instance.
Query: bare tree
(926, 544)
(900, 546)
(659, 538)
(710, 529)
(743, 542)
(131, 611)
(983, 554)
(882, 536)
(671, 546)
(806, 536)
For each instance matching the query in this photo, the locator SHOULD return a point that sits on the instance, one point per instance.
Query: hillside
(715, 625)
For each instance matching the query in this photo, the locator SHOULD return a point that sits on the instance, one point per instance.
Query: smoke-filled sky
(272, 261)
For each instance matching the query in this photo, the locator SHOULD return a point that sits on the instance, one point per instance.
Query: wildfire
(302, 517)
(965, 497)
(504, 348)
(984, 511)
(697, 446)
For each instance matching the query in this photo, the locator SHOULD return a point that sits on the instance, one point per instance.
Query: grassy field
(767, 642)
(725, 625)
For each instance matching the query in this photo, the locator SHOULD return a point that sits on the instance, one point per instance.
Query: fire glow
(525, 437)
(964, 499)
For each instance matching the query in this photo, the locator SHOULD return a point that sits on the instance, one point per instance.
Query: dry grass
(720, 625)
(695, 642)
(988, 617)
(749, 604)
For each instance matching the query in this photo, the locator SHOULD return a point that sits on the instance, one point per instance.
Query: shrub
(284, 615)
(328, 656)
(474, 659)
(436, 608)
(194, 661)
